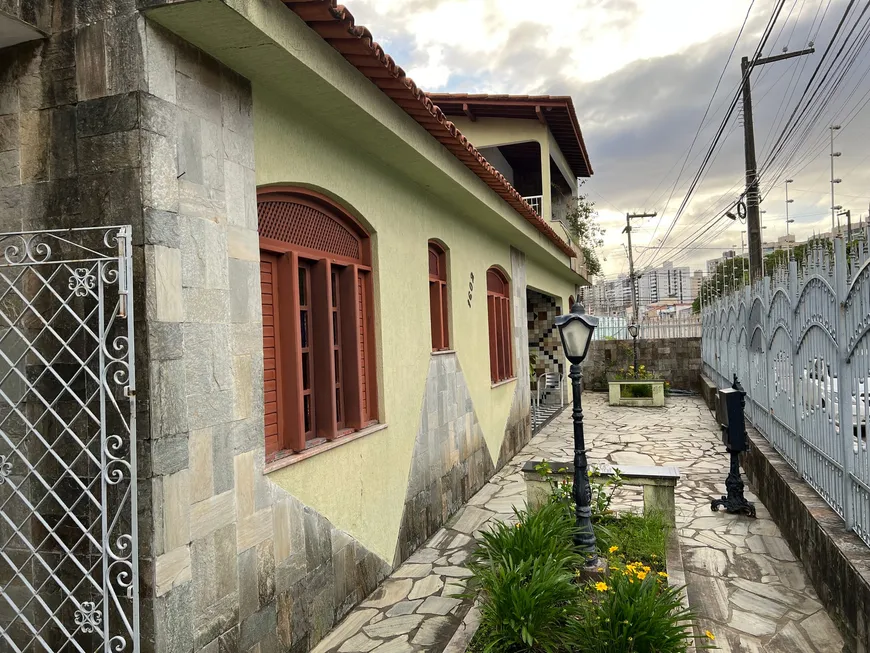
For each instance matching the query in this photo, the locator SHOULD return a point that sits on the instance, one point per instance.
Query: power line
(706, 112)
(711, 149)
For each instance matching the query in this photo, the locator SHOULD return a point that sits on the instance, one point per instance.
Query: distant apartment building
(664, 282)
(608, 296)
(712, 264)
(696, 281)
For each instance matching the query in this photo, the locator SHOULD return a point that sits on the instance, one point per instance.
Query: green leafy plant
(636, 611)
(635, 537)
(628, 373)
(603, 490)
(546, 532)
(525, 570)
(562, 489)
(581, 221)
(636, 390)
(528, 605)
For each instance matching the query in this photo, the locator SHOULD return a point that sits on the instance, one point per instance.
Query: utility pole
(628, 218)
(787, 202)
(753, 218)
(632, 277)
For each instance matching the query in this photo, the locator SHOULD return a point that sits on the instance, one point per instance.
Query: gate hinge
(129, 392)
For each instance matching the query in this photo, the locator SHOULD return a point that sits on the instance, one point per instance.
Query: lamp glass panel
(575, 335)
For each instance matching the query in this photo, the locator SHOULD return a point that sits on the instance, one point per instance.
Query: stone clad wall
(677, 360)
(110, 120)
(451, 461)
(238, 564)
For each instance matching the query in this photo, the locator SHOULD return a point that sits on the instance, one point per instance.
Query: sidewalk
(743, 582)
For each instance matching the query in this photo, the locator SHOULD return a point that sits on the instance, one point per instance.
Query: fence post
(844, 381)
(796, 374)
(747, 339)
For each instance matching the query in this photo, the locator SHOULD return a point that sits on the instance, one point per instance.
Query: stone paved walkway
(743, 581)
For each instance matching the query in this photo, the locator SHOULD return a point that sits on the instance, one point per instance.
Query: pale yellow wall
(268, 44)
(361, 486)
(319, 122)
(538, 278)
(492, 132)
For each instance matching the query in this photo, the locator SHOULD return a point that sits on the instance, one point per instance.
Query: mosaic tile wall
(544, 342)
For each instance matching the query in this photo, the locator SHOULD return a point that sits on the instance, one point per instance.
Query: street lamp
(576, 329)
(633, 330)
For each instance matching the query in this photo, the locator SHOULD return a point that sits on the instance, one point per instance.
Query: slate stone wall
(238, 564)
(677, 360)
(110, 120)
(518, 429)
(451, 461)
(836, 561)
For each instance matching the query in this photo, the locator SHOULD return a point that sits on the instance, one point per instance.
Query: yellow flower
(710, 635)
(663, 574)
(601, 587)
(641, 575)
(613, 549)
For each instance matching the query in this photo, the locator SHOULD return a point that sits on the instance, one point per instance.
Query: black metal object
(584, 539)
(730, 416)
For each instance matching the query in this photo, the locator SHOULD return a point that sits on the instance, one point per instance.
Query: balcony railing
(537, 203)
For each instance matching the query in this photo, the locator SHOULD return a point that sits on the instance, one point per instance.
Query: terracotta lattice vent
(306, 226)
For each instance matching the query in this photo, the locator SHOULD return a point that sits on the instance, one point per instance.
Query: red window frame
(498, 306)
(438, 307)
(322, 299)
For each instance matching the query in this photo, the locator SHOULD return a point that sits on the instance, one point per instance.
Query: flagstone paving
(743, 581)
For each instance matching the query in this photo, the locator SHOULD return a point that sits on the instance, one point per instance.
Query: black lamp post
(576, 330)
(633, 331)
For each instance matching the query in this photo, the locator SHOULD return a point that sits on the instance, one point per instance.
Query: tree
(733, 273)
(582, 223)
(730, 274)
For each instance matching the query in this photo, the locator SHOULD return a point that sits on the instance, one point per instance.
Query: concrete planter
(657, 398)
(658, 483)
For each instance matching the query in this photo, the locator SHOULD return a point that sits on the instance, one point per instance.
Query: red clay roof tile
(335, 24)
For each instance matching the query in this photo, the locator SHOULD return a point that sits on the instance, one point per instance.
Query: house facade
(335, 296)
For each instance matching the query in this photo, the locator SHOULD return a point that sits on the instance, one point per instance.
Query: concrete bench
(658, 483)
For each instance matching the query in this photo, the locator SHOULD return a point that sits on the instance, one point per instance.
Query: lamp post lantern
(633, 331)
(576, 329)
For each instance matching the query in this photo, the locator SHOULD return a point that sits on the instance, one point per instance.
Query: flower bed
(533, 596)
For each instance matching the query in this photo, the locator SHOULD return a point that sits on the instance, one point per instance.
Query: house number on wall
(470, 289)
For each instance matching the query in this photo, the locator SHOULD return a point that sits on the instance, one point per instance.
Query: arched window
(498, 305)
(438, 297)
(315, 274)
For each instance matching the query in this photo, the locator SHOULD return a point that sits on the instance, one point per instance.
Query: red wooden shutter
(268, 274)
(364, 368)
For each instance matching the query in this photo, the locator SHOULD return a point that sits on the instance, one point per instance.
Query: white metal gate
(68, 541)
(799, 342)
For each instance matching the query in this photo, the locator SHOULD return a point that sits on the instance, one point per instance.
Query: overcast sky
(641, 73)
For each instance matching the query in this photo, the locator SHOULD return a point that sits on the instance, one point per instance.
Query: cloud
(641, 75)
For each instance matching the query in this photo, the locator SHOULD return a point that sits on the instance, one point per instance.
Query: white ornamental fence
(678, 326)
(799, 343)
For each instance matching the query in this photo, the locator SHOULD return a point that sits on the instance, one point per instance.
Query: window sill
(501, 383)
(293, 458)
(443, 352)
